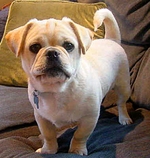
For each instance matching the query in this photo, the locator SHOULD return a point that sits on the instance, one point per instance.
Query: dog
(69, 74)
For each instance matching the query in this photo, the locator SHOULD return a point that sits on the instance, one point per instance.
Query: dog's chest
(58, 109)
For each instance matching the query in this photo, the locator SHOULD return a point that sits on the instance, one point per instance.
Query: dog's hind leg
(122, 88)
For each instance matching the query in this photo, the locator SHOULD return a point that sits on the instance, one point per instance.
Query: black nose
(52, 55)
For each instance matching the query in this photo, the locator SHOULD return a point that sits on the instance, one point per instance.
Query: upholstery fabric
(133, 19)
(3, 18)
(14, 103)
(109, 139)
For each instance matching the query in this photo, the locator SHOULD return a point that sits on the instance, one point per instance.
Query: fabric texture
(11, 72)
(133, 19)
(19, 132)
(15, 107)
(3, 18)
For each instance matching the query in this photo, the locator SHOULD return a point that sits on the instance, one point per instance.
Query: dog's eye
(35, 48)
(68, 46)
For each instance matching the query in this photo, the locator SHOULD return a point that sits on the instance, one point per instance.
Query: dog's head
(50, 50)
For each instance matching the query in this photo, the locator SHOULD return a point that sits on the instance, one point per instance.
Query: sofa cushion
(22, 11)
(109, 139)
(133, 19)
(3, 18)
(15, 107)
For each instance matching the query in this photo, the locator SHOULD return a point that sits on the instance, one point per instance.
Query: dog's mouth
(56, 72)
(51, 72)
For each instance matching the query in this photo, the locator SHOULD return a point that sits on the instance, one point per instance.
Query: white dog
(69, 74)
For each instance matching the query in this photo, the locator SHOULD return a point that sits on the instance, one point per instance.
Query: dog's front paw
(46, 151)
(80, 151)
(125, 120)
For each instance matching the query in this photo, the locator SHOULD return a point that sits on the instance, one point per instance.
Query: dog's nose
(52, 55)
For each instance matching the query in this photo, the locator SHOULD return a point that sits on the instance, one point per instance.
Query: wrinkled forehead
(50, 30)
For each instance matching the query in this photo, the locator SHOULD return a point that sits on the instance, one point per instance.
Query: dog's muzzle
(53, 56)
(54, 66)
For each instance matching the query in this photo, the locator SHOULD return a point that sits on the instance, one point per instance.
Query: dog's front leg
(48, 132)
(78, 142)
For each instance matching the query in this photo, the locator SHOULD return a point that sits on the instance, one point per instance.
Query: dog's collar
(36, 98)
(36, 95)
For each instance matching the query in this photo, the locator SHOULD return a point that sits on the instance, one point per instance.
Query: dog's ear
(84, 35)
(16, 38)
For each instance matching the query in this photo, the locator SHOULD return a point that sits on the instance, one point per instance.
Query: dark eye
(35, 48)
(68, 46)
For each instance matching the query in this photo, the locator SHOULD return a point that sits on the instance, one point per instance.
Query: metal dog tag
(36, 99)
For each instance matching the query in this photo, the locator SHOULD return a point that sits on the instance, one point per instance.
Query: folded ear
(84, 35)
(16, 38)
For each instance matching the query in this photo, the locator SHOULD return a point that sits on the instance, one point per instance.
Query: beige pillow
(11, 72)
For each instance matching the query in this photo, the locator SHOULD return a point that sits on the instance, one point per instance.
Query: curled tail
(111, 27)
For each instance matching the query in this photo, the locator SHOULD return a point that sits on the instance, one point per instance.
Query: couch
(18, 129)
